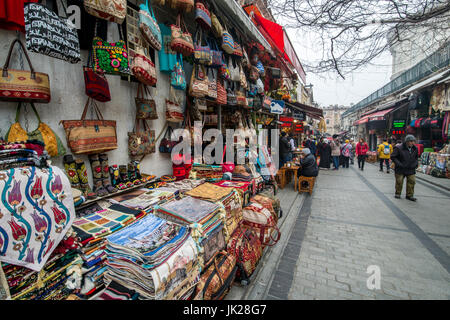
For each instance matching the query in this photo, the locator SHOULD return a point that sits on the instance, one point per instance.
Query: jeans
(410, 183)
(387, 164)
(336, 162)
(361, 161)
(346, 162)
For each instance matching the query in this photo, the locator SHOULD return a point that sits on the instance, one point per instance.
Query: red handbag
(221, 92)
(96, 84)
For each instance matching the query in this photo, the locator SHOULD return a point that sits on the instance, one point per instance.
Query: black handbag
(166, 145)
(49, 34)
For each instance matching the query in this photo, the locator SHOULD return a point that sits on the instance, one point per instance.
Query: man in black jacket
(285, 149)
(406, 161)
(308, 164)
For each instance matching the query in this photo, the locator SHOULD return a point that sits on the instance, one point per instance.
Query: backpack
(346, 151)
(387, 149)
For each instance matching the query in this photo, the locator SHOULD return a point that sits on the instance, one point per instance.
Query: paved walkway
(352, 221)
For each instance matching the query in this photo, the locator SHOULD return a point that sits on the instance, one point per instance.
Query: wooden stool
(309, 180)
(281, 178)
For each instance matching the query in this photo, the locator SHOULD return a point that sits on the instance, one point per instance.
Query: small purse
(202, 54)
(202, 15)
(111, 10)
(199, 82)
(212, 86)
(145, 108)
(149, 26)
(96, 84)
(174, 113)
(140, 142)
(143, 68)
(181, 40)
(43, 133)
(177, 77)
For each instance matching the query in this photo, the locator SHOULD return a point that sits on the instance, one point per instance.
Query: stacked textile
(91, 231)
(22, 154)
(205, 218)
(240, 173)
(243, 188)
(206, 171)
(185, 185)
(146, 201)
(154, 257)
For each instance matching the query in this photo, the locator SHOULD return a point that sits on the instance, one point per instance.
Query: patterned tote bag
(149, 26)
(177, 77)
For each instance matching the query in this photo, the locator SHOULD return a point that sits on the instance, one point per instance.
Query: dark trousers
(361, 161)
(346, 162)
(384, 161)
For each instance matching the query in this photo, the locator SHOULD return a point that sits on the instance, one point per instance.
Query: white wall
(68, 100)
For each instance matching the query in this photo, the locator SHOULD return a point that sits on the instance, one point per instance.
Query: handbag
(237, 50)
(199, 82)
(86, 136)
(254, 73)
(143, 68)
(242, 78)
(216, 54)
(181, 40)
(110, 58)
(261, 220)
(231, 96)
(234, 69)
(218, 277)
(110, 10)
(49, 34)
(22, 85)
(225, 71)
(200, 104)
(221, 92)
(259, 86)
(174, 113)
(177, 77)
(145, 108)
(216, 27)
(202, 15)
(182, 5)
(43, 133)
(202, 54)
(166, 145)
(261, 69)
(149, 26)
(96, 84)
(241, 99)
(141, 143)
(227, 42)
(276, 73)
(212, 86)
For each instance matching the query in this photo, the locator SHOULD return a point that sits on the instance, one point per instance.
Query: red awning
(379, 115)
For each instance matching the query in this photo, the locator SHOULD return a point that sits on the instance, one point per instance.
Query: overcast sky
(330, 88)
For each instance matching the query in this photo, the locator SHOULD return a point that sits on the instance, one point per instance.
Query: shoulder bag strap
(5, 67)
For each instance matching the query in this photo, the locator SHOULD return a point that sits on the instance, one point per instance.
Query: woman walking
(361, 152)
(335, 152)
(324, 151)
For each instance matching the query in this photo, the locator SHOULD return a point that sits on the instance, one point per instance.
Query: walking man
(384, 154)
(406, 161)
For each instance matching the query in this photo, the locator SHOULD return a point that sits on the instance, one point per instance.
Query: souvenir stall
(93, 206)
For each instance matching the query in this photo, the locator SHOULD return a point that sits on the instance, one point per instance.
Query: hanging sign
(286, 119)
(398, 124)
(277, 107)
(298, 115)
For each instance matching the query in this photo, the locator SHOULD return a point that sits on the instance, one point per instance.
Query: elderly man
(405, 157)
(308, 164)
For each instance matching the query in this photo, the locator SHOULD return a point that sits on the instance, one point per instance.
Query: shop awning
(313, 112)
(426, 83)
(378, 115)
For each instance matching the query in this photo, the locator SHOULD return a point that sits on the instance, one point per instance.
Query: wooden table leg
(295, 180)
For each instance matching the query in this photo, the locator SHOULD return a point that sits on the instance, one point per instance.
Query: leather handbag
(218, 277)
(49, 34)
(141, 143)
(227, 42)
(182, 5)
(212, 86)
(181, 40)
(149, 26)
(221, 92)
(202, 15)
(174, 113)
(202, 51)
(96, 84)
(110, 10)
(143, 68)
(86, 136)
(177, 77)
(22, 85)
(199, 82)
(216, 27)
(43, 133)
(110, 57)
(145, 108)
(166, 145)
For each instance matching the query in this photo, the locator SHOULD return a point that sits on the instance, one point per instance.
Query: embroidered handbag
(141, 142)
(199, 82)
(241, 99)
(227, 42)
(212, 86)
(261, 69)
(181, 40)
(22, 85)
(177, 77)
(231, 96)
(202, 15)
(43, 133)
(110, 58)
(262, 222)
(218, 277)
(174, 113)
(245, 246)
(237, 49)
(90, 136)
(217, 28)
(149, 26)
(96, 84)
(145, 108)
(49, 34)
(221, 92)
(202, 53)
(216, 54)
(200, 104)
(110, 10)
(166, 145)
(225, 71)
(143, 68)
(182, 5)
(259, 86)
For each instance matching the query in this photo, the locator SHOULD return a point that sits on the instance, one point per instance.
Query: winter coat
(285, 146)
(309, 166)
(335, 149)
(381, 154)
(361, 149)
(405, 161)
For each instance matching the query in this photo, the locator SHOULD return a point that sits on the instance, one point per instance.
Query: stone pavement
(352, 221)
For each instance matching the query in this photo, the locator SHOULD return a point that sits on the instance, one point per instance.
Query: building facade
(332, 115)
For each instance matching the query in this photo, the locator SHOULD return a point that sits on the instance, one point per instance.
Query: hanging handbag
(110, 58)
(140, 142)
(202, 53)
(143, 68)
(242, 78)
(231, 96)
(149, 26)
(216, 27)
(182, 5)
(257, 102)
(227, 42)
(181, 40)
(49, 34)
(225, 71)
(200, 104)
(261, 69)
(145, 108)
(254, 73)
(260, 86)
(241, 100)
(90, 136)
(221, 92)
(237, 50)
(177, 77)
(43, 133)
(216, 54)
(166, 145)
(202, 15)
(234, 69)
(22, 85)
(198, 87)
(110, 10)
(245, 60)
(212, 86)
(174, 113)
(96, 84)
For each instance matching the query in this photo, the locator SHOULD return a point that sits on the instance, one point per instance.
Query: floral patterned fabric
(36, 210)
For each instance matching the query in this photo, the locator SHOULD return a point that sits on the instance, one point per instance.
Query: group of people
(338, 152)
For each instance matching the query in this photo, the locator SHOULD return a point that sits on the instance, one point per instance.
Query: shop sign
(286, 119)
(298, 115)
(286, 125)
(398, 124)
(398, 132)
(277, 107)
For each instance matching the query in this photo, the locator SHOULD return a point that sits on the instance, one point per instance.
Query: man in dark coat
(308, 164)
(284, 148)
(406, 161)
(324, 152)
